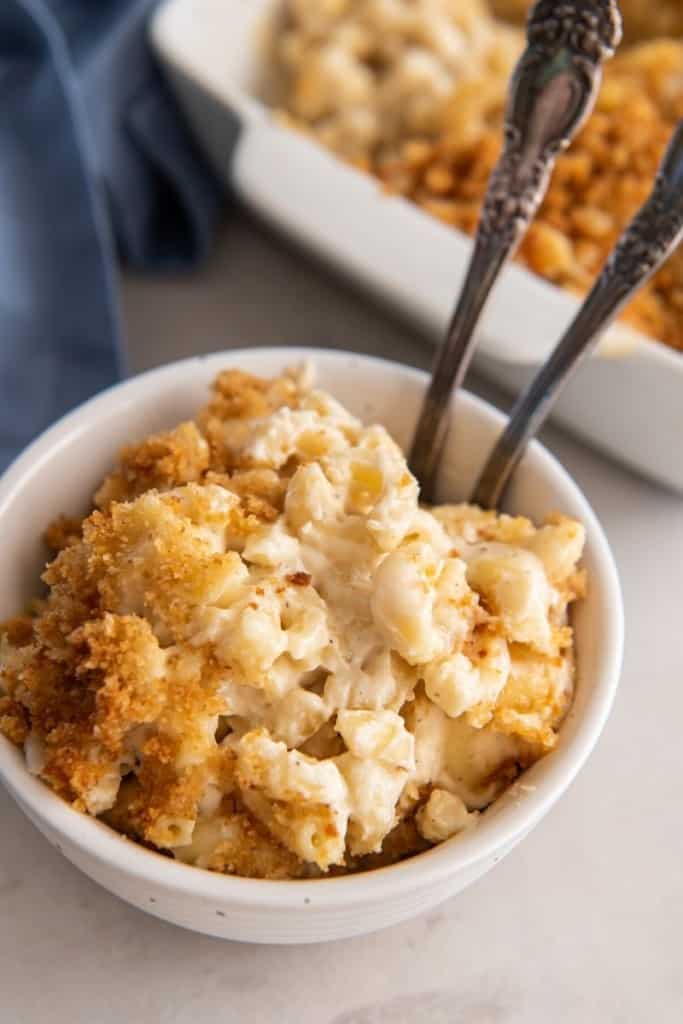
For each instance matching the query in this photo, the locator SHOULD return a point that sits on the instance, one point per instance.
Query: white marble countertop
(581, 923)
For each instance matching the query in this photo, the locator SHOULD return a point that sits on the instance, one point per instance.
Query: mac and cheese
(260, 653)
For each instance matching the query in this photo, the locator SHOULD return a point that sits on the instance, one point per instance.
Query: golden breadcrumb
(160, 462)
(14, 721)
(62, 532)
(238, 396)
(18, 631)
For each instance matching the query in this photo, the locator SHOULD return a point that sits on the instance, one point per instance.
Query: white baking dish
(627, 400)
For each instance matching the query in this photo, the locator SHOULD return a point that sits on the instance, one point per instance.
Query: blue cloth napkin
(95, 162)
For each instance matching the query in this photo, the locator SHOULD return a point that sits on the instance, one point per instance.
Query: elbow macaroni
(267, 660)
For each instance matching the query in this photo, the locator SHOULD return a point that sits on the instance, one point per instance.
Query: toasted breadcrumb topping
(260, 655)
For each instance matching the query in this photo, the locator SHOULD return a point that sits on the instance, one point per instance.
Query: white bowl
(59, 472)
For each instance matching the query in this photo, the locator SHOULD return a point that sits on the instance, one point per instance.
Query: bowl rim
(422, 871)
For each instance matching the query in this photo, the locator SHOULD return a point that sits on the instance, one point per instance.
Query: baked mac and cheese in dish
(261, 655)
(413, 92)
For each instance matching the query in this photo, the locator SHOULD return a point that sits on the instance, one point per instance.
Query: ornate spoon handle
(649, 239)
(552, 91)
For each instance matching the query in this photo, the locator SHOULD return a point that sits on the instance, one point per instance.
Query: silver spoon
(553, 90)
(646, 243)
